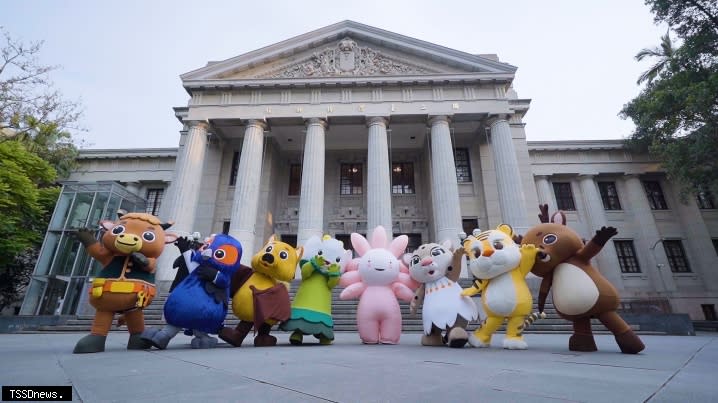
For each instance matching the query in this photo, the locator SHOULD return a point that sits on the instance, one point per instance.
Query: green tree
(676, 114)
(26, 201)
(36, 145)
(664, 53)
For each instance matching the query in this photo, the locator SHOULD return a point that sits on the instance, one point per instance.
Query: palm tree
(664, 54)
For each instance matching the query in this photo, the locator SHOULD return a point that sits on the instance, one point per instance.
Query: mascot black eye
(148, 236)
(219, 254)
(283, 254)
(269, 249)
(549, 239)
(319, 253)
(415, 260)
(498, 245)
(118, 230)
(436, 251)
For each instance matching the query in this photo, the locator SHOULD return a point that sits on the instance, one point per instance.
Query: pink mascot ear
(398, 245)
(360, 244)
(378, 237)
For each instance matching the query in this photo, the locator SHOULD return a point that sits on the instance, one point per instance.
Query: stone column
(445, 189)
(545, 193)
(311, 200)
(246, 192)
(508, 178)
(378, 180)
(698, 244)
(648, 241)
(182, 206)
(607, 259)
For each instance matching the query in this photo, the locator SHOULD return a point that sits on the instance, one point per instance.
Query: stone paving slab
(671, 369)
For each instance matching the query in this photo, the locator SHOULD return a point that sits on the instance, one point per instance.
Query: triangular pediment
(347, 49)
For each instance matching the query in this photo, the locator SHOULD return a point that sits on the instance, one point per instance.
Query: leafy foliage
(35, 145)
(676, 114)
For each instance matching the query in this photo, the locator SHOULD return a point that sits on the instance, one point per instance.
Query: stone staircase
(343, 312)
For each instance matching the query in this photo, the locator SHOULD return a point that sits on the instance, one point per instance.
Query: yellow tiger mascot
(500, 266)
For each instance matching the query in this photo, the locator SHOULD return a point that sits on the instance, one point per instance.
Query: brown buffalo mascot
(128, 252)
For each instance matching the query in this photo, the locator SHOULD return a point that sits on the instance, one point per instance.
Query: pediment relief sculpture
(347, 58)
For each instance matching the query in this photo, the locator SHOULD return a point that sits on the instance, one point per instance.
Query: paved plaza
(671, 369)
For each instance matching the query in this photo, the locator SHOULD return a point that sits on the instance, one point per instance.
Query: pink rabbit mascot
(377, 278)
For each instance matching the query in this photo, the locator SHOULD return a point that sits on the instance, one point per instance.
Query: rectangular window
(709, 311)
(676, 256)
(154, 200)
(654, 193)
(291, 239)
(564, 196)
(627, 256)
(295, 179)
(347, 242)
(350, 182)
(609, 195)
(402, 178)
(235, 168)
(468, 225)
(705, 200)
(715, 245)
(463, 167)
(225, 227)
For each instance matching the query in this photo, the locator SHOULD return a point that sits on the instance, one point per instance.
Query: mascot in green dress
(325, 260)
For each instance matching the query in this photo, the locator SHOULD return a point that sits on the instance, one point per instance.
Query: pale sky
(123, 59)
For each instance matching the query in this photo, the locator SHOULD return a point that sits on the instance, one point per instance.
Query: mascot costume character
(199, 302)
(128, 252)
(444, 308)
(325, 260)
(500, 266)
(259, 294)
(377, 278)
(579, 290)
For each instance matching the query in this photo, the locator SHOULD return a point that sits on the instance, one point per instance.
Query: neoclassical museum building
(348, 127)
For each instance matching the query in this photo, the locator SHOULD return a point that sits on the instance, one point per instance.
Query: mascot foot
(203, 342)
(515, 344)
(136, 342)
(265, 340)
(629, 343)
(389, 341)
(457, 337)
(236, 336)
(296, 338)
(476, 342)
(433, 339)
(91, 343)
(324, 340)
(582, 342)
(156, 337)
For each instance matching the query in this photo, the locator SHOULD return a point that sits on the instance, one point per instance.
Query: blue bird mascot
(199, 302)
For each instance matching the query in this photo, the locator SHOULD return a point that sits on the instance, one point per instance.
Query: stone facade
(350, 126)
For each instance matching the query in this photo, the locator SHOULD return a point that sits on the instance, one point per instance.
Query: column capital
(586, 176)
(377, 120)
(544, 177)
(201, 124)
(491, 120)
(435, 119)
(262, 124)
(316, 121)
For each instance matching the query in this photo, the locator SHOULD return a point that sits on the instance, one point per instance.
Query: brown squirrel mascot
(579, 290)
